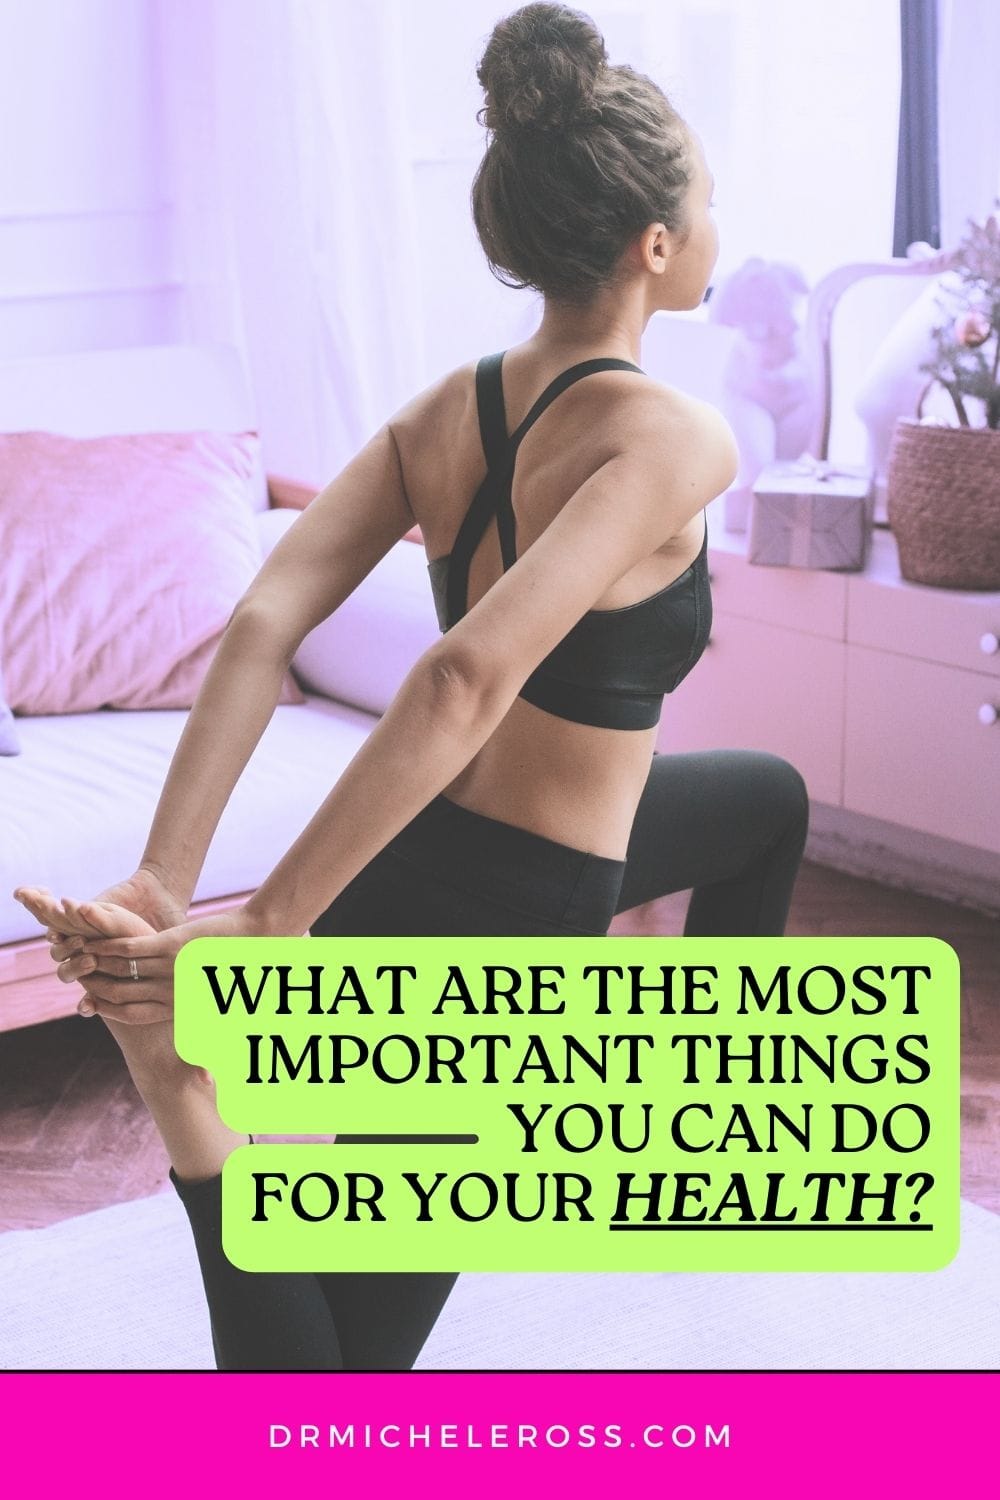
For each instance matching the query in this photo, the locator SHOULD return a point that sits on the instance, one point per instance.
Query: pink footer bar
(845, 1435)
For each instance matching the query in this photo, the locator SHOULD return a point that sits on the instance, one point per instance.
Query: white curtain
(968, 112)
(292, 209)
(345, 74)
(320, 154)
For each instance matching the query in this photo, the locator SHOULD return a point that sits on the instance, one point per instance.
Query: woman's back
(575, 782)
(495, 796)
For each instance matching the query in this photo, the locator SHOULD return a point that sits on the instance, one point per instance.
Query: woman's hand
(154, 906)
(133, 983)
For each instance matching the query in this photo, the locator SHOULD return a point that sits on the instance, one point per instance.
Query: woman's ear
(655, 248)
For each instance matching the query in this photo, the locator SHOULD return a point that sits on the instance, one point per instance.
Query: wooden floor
(74, 1135)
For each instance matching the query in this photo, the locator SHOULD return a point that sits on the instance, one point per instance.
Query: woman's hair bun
(540, 68)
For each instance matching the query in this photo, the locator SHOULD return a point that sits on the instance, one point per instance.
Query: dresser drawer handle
(989, 643)
(988, 713)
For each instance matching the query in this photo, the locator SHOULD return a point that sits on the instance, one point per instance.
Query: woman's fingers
(139, 1013)
(68, 922)
(77, 966)
(151, 946)
(103, 919)
(44, 907)
(72, 969)
(107, 918)
(148, 969)
(61, 946)
(121, 993)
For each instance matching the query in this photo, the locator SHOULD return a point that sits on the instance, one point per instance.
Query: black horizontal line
(770, 1228)
(406, 1140)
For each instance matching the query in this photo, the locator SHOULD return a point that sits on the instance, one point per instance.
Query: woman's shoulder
(671, 404)
(653, 416)
(435, 410)
(648, 414)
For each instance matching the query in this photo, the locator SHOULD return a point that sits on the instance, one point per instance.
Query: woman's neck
(611, 324)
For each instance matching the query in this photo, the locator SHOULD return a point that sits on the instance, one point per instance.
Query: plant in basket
(967, 360)
(944, 478)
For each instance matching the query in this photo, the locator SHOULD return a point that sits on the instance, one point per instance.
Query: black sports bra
(614, 666)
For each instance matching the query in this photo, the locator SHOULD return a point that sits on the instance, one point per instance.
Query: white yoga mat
(120, 1290)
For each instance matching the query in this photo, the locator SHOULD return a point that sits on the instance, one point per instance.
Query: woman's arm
(459, 691)
(233, 708)
(317, 564)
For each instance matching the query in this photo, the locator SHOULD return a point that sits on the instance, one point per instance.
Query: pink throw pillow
(123, 558)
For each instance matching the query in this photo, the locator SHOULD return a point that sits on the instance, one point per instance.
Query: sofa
(76, 802)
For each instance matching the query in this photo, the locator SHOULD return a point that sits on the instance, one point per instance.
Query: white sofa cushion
(361, 653)
(9, 742)
(77, 803)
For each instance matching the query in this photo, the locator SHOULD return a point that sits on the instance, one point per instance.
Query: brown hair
(581, 156)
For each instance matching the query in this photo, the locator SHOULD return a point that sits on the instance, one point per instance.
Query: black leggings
(728, 824)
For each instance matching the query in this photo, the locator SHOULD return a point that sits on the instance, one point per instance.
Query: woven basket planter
(943, 501)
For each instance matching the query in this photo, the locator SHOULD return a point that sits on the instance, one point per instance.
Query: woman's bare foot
(180, 1097)
(148, 1050)
(67, 922)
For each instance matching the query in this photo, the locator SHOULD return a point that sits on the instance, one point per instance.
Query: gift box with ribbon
(810, 513)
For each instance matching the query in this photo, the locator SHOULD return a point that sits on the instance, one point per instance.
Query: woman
(512, 786)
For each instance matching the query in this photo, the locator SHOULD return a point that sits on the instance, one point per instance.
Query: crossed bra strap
(493, 498)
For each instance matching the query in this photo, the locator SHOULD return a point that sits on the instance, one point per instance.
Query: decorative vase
(943, 501)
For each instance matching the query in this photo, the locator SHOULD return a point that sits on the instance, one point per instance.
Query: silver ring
(133, 968)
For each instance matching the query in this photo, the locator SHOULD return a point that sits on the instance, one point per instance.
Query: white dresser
(885, 695)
